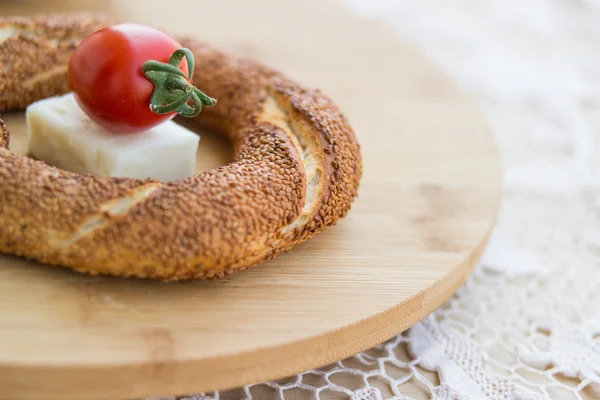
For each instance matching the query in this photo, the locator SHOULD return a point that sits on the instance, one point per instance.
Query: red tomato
(105, 74)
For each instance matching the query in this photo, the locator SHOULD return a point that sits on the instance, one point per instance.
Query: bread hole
(15, 122)
(215, 149)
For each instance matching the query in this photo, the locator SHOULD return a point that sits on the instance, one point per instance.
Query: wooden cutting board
(428, 200)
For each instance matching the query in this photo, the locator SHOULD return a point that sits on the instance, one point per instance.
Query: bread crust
(296, 171)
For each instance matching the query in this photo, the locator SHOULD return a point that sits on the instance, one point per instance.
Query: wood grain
(427, 203)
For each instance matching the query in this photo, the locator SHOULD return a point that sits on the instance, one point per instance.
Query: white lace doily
(527, 323)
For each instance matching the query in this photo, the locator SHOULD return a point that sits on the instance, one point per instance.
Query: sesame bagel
(296, 171)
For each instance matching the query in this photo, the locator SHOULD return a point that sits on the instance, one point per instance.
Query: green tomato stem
(172, 89)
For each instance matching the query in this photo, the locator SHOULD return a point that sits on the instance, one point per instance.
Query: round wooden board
(428, 200)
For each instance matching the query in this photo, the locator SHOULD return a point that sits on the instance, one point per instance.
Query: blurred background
(533, 69)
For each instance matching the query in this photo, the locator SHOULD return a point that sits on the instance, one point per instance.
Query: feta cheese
(60, 134)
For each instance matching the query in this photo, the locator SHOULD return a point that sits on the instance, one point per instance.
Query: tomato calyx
(172, 89)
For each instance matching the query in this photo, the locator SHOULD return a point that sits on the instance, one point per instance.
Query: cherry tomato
(105, 74)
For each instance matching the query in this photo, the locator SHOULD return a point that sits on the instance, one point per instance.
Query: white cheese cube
(63, 136)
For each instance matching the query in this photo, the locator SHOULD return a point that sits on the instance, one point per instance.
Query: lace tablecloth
(527, 323)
